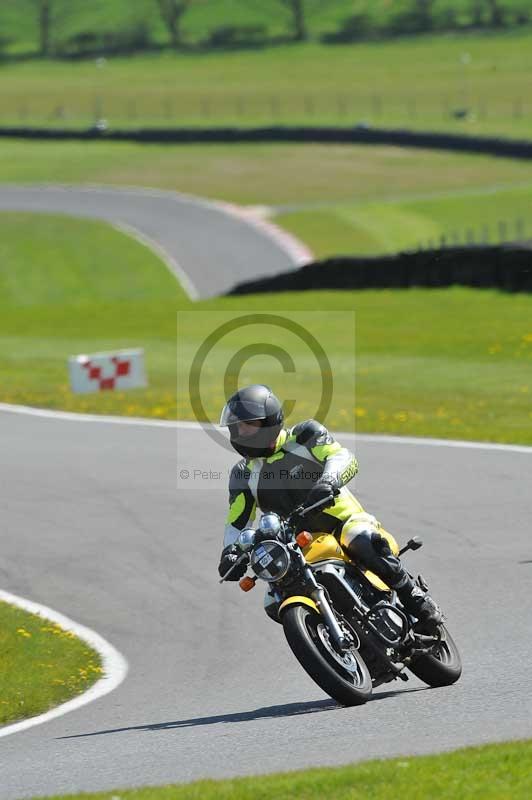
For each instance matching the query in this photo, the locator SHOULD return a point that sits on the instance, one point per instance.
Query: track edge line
(376, 438)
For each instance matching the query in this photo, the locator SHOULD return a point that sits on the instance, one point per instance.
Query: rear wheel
(345, 676)
(442, 666)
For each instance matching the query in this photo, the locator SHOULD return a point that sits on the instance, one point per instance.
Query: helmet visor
(241, 411)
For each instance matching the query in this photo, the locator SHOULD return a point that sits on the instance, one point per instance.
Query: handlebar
(302, 510)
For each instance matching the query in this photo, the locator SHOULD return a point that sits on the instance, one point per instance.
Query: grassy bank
(41, 665)
(416, 82)
(453, 363)
(493, 772)
(281, 175)
(493, 214)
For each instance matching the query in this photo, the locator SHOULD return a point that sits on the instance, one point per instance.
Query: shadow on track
(267, 712)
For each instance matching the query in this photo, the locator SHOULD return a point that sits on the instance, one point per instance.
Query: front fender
(298, 600)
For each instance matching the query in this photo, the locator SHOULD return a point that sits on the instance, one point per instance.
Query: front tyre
(442, 666)
(344, 677)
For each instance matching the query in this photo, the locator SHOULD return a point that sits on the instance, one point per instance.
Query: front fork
(340, 642)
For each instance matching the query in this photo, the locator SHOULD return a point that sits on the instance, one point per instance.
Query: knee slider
(366, 546)
(360, 547)
(380, 545)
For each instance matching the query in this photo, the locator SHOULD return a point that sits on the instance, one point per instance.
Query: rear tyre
(345, 678)
(442, 666)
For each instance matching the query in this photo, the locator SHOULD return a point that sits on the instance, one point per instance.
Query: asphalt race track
(234, 250)
(93, 525)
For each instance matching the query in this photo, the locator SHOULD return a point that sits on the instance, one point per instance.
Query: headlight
(270, 560)
(246, 540)
(270, 525)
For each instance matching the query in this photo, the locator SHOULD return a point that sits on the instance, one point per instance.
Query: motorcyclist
(285, 467)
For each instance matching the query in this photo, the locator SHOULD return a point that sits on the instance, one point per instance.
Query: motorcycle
(347, 629)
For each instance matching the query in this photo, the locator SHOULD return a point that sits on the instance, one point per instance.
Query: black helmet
(251, 403)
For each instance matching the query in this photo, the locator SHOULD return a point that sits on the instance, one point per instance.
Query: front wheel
(344, 677)
(442, 666)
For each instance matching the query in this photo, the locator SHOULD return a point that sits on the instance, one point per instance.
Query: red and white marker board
(104, 372)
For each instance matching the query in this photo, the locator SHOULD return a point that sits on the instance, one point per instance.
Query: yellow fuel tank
(324, 547)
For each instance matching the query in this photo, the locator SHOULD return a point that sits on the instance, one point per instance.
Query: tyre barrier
(360, 134)
(506, 267)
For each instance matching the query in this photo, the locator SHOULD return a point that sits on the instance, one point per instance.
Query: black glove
(324, 487)
(229, 555)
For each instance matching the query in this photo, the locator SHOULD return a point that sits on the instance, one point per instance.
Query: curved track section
(215, 245)
(93, 524)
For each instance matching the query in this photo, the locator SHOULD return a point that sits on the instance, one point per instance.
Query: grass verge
(451, 363)
(493, 772)
(41, 664)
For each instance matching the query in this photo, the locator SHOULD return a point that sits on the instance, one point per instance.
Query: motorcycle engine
(389, 622)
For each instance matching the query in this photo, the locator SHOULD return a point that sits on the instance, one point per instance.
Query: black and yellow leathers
(301, 456)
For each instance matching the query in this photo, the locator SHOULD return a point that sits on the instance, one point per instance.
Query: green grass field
(41, 665)
(492, 772)
(416, 83)
(452, 363)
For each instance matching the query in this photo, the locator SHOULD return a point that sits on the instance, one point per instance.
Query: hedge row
(507, 267)
(357, 135)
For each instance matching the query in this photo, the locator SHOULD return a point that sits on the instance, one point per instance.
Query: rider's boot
(418, 603)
